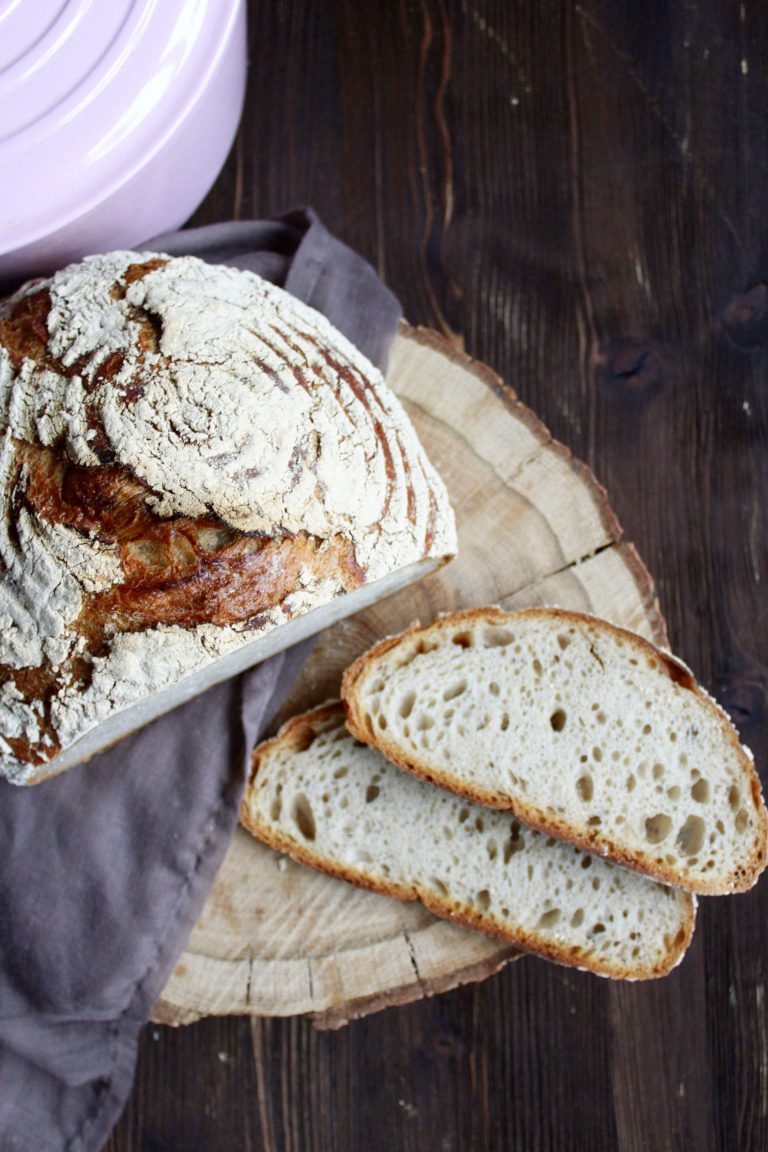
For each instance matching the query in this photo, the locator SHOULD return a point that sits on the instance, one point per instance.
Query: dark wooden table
(577, 193)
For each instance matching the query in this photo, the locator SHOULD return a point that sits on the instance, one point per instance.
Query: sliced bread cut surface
(333, 803)
(583, 730)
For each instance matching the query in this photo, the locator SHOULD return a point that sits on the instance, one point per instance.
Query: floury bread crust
(190, 459)
(584, 730)
(331, 802)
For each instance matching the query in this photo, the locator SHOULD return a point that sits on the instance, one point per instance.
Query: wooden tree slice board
(535, 527)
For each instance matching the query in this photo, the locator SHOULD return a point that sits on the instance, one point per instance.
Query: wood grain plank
(576, 194)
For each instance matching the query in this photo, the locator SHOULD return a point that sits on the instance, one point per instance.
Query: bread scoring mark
(367, 399)
(419, 511)
(171, 580)
(411, 502)
(429, 531)
(107, 502)
(177, 571)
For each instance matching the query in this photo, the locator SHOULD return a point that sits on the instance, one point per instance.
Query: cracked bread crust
(189, 457)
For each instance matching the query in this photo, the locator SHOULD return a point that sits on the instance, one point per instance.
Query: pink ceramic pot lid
(90, 90)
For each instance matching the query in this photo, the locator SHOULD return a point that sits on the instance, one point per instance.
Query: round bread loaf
(192, 462)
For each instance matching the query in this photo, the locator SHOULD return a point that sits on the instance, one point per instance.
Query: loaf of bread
(333, 803)
(583, 730)
(196, 471)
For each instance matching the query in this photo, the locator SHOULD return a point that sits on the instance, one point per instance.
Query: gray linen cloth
(106, 868)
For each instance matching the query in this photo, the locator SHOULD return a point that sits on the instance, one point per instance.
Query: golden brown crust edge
(741, 880)
(444, 909)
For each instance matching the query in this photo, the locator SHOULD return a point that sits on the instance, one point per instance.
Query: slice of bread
(583, 730)
(331, 802)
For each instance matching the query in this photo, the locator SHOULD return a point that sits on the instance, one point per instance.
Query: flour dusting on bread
(189, 458)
